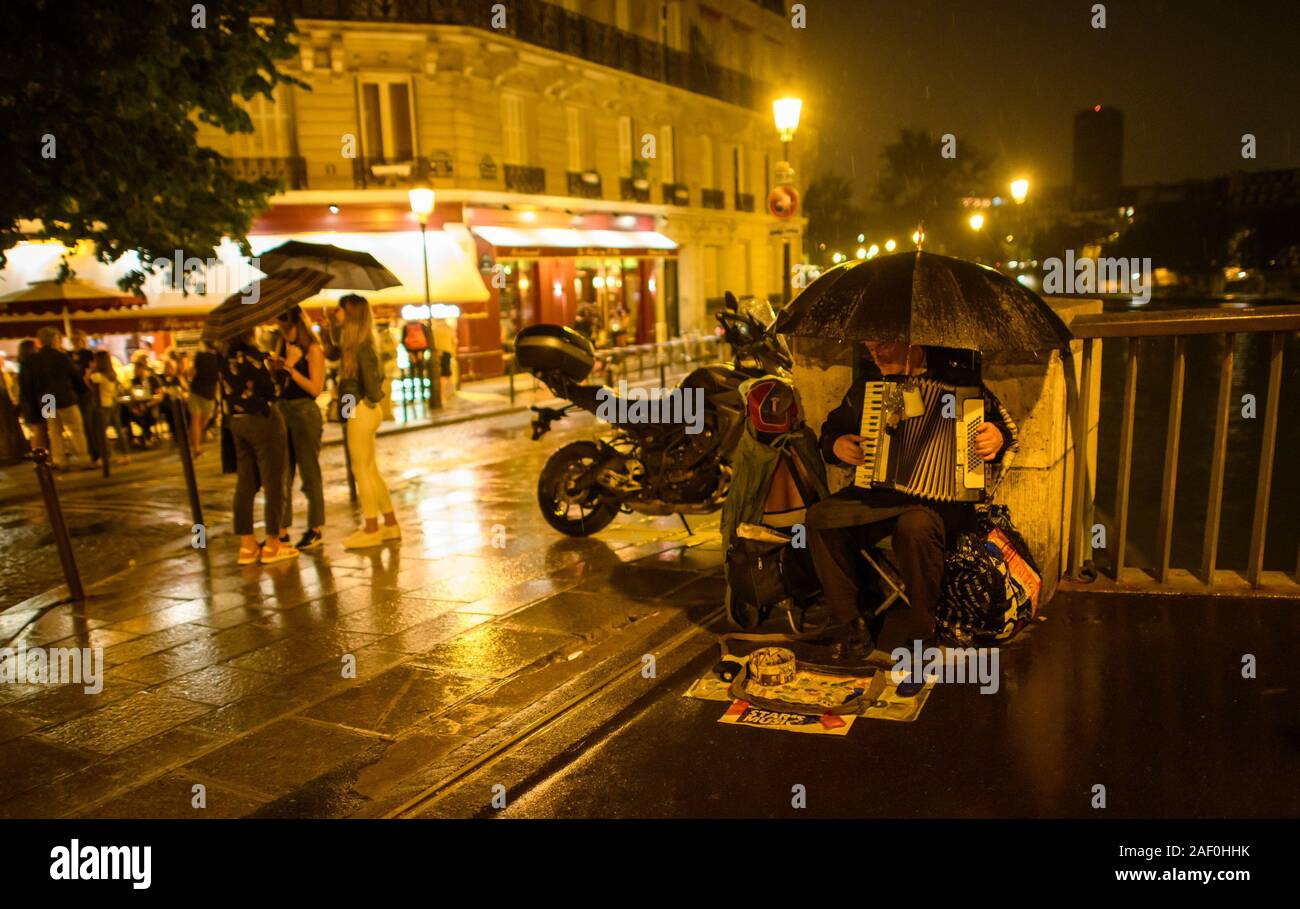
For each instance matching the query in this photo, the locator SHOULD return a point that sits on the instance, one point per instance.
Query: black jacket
(950, 367)
(52, 372)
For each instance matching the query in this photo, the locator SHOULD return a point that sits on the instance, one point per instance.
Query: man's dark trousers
(918, 548)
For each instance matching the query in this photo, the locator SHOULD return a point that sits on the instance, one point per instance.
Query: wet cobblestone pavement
(236, 678)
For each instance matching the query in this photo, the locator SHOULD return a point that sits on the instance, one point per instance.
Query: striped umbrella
(50, 298)
(261, 301)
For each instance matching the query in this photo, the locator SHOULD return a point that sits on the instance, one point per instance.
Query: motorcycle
(655, 468)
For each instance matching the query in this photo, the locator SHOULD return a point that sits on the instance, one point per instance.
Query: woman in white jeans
(361, 391)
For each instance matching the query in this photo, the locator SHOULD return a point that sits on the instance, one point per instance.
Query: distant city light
(873, 251)
(837, 258)
(1013, 264)
(890, 246)
(976, 222)
(1019, 189)
(862, 252)
(916, 236)
(862, 238)
(1096, 108)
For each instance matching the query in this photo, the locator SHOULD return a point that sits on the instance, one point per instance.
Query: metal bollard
(510, 371)
(182, 433)
(62, 540)
(101, 430)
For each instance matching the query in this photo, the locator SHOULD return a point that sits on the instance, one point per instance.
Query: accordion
(919, 438)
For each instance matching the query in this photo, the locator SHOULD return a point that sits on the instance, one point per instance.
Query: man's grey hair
(48, 335)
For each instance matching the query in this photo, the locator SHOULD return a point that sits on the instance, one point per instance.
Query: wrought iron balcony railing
(713, 198)
(521, 179)
(370, 172)
(677, 194)
(584, 184)
(293, 171)
(629, 192)
(552, 27)
(744, 201)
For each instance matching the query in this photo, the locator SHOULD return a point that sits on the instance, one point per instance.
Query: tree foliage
(834, 221)
(99, 105)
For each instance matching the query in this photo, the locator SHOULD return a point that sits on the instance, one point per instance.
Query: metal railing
(614, 363)
(1275, 321)
(523, 179)
(293, 171)
(554, 28)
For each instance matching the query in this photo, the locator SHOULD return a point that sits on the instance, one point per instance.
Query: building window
(270, 135)
(387, 118)
(578, 140)
(514, 135)
(739, 170)
(707, 174)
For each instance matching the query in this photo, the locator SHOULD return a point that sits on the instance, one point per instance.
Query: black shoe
(853, 644)
(310, 540)
(284, 538)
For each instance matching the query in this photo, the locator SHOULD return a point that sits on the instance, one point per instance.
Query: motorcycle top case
(554, 348)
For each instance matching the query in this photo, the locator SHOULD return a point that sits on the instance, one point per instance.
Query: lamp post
(421, 198)
(785, 113)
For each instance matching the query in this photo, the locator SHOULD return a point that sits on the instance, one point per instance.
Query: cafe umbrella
(261, 301)
(66, 299)
(925, 299)
(349, 269)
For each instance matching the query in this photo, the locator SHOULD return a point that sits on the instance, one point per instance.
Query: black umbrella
(261, 301)
(923, 298)
(349, 268)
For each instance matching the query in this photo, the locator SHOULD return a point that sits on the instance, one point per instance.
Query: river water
(1250, 376)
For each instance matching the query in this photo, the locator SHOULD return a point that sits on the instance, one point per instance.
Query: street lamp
(976, 221)
(785, 113)
(890, 246)
(1019, 189)
(421, 198)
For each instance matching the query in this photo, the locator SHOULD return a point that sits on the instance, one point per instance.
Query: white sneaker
(390, 531)
(363, 540)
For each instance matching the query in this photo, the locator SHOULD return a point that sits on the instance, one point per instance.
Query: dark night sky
(1191, 77)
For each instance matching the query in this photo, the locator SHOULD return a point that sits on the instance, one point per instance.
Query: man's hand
(848, 448)
(988, 441)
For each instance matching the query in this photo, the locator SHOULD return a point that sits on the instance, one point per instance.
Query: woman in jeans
(361, 390)
(250, 392)
(301, 368)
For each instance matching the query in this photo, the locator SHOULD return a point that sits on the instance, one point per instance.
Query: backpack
(413, 337)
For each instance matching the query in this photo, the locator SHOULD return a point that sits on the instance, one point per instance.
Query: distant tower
(1098, 157)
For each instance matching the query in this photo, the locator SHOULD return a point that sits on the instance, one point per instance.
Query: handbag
(991, 583)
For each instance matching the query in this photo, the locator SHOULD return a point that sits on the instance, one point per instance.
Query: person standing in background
(418, 341)
(29, 405)
(360, 391)
(103, 379)
(249, 392)
(204, 376)
(300, 367)
(444, 343)
(388, 364)
(84, 359)
(59, 383)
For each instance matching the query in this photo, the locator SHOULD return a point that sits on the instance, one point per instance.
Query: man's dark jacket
(54, 373)
(942, 365)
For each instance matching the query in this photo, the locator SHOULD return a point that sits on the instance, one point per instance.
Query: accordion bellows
(919, 438)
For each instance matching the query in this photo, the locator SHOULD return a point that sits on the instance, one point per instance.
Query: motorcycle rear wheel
(571, 510)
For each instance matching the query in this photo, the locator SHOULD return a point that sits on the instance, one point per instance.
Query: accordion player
(918, 437)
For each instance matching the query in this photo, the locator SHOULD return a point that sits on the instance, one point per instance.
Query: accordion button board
(919, 438)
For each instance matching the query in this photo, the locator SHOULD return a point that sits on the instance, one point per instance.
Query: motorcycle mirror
(729, 301)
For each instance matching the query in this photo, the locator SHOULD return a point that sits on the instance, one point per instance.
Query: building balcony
(526, 180)
(368, 173)
(744, 202)
(629, 191)
(584, 184)
(713, 198)
(291, 171)
(677, 194)
(554, 28)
